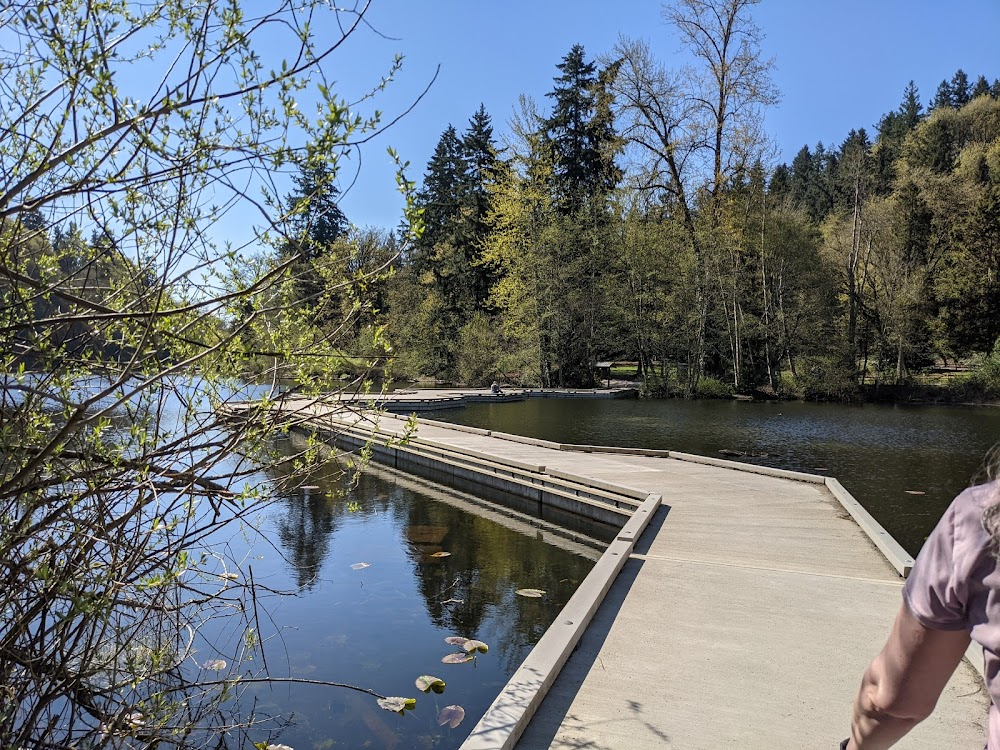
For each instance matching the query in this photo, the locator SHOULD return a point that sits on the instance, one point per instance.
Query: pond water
(375, 599)
(883, 454)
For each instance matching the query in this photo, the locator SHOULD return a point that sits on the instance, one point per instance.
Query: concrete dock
(739, 613)
(415, 400)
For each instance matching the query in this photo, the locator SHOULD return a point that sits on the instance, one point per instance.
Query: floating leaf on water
(472, 645)
(398, 705)
(360, 566)
(456, 659)
(914, 492)
(216, 664)
(440, 554)
(451, 715)
(228, 576)
(277, 747)
(426, 683)
(530, 593)
(135, 719)
(455, 640)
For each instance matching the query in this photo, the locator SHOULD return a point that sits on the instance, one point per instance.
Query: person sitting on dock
(495, 389)
(951, 597)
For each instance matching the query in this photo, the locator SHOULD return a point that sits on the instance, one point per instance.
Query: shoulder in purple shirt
(955, 584)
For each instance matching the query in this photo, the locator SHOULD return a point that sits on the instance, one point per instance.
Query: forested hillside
(635, 216)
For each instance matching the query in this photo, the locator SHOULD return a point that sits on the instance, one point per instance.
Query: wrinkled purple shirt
(955, 584)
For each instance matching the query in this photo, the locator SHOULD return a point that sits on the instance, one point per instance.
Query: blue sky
(839, 65)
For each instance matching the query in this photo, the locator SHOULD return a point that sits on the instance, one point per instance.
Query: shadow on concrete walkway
(553, 715)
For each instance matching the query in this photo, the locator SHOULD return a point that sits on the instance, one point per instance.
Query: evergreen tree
(892, 129)
(943, 97)
(960, 90)
(317, 224)
(809, 183)
(580, 132)
(910, 109)
(446, 264)
(480, 153)
(982, 87)
(317, 220)
(441, 197)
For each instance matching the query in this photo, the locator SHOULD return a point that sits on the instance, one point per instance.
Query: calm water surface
(879, 452)
(382, 625)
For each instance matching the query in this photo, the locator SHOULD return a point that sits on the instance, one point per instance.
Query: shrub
(712, 388)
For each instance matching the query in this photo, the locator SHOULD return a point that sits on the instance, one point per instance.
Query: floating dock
(737, 605)
(415, 400)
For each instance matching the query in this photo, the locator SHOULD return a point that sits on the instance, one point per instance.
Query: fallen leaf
(397, 705)
(440, 554)
(530, 593)
(451, 715)
(360, 566)
(914, 492)
(426, 683)
(228, 576)
(216, 664)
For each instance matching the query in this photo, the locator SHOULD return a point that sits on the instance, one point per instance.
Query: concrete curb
(799, 476)
(505, 720)
(898, 557)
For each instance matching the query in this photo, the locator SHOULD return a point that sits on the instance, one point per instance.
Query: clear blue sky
(839, 65)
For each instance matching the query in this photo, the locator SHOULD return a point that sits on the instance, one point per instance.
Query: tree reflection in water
(383, 625)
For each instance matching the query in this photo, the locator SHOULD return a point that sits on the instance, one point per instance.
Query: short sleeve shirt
(955, 584)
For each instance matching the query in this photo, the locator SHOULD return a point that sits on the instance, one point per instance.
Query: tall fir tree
(317, 220)
(981, 88)
(943, 97)
(892, 129)
(317, 224)
(480, 153)
(961, 92)
(441, 197)
(580, 132)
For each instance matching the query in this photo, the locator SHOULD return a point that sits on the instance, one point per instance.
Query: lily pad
(471, 645)
(451, 715)
(455, 640)
(426, 683)
(360, 566)
(530, 593)
(456, 659)
(398, 705)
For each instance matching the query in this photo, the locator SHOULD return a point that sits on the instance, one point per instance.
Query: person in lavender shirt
(951, 596)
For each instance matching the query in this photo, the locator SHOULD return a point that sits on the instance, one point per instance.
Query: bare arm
(902, 684)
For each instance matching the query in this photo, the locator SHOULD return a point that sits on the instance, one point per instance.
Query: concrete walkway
(743, 619)
(409, 400)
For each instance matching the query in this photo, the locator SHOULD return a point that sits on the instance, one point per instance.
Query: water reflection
(383, 624)
(304, 530)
